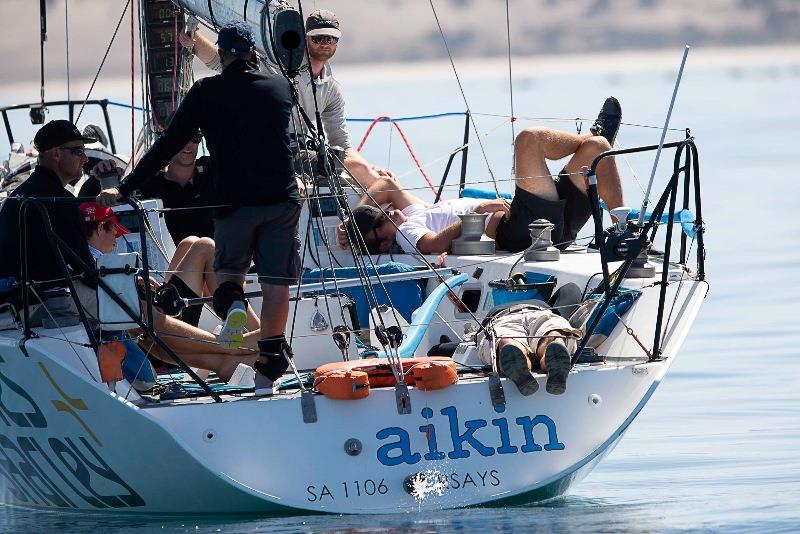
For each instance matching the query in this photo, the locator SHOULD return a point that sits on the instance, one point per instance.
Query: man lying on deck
(563, 201)
(190, 272)
(531, 339)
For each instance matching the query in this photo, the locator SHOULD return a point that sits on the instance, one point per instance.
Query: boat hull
(68, 443)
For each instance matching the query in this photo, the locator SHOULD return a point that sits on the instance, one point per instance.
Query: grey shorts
(267, 235)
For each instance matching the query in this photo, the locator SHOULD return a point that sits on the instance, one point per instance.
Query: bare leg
(196, 269)
(222, 364)
(534, 146)
(274, 310)
(180, 252)
(609, 185)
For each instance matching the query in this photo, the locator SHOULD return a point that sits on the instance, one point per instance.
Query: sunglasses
(196, 139)
(75, 151)
(324, 39)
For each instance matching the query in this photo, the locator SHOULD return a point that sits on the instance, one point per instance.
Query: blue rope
(412, 118)
(355, 119)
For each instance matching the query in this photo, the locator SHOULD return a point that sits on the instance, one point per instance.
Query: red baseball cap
(94, 212)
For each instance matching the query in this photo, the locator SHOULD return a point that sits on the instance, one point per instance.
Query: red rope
(405, 140)
(133, 74)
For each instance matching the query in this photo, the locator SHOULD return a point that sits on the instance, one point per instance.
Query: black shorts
(266, 234)
(568, 214)
(576, 209)
(190, 314)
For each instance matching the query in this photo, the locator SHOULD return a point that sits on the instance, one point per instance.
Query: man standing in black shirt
(244, 117)
(60, 161)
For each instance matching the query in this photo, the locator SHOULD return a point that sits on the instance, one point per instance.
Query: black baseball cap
(57, 133)
(236, 37)
(323, 22)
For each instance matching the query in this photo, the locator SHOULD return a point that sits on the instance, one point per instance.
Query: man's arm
(388, 191)
(433, 243)
(183, 126)
(203, 48)
(362, 171)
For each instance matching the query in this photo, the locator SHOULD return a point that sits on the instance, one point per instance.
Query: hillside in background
(405, 30)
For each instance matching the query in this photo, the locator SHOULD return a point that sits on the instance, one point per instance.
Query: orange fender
(427, 372)
(343, 385)
(435, 375)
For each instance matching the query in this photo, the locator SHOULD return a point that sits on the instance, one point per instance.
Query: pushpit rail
(631, 244)
(103, 103)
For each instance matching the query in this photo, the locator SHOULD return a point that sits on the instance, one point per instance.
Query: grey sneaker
(557, 360)
(514, 365)
(608, 120)
(232, 334)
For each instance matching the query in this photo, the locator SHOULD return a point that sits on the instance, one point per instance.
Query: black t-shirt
(244, 116)
(195, 194)
(65, 219)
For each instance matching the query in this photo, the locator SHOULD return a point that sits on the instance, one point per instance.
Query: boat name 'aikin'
(398, 451)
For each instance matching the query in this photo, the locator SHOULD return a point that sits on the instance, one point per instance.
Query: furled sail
(277, 27)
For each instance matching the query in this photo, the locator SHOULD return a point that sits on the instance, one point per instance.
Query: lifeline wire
(66, 34)
(510, 81)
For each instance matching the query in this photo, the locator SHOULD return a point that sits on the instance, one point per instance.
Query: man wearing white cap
(322, 38)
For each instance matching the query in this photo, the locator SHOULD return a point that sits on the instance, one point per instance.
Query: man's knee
(205, 246)
(532, 138)
(596, 144)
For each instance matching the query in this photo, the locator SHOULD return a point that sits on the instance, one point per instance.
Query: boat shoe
(557, 361)
(608, 120)
(514, 365)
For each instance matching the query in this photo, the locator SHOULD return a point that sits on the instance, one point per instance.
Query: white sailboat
(70, 441)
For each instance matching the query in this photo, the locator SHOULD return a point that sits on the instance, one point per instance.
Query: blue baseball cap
(236, 37)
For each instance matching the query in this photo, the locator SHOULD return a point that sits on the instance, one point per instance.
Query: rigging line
(573, 119)
(677, 292)
(66, 37)
(307, 166)
(420, 255)
(510, 80)
(464, 96)
(60, 329)
(103, 61)
(133, 84)
(42, 39)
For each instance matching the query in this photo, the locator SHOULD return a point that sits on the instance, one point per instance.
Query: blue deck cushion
(619, 306)
(473, 192)
(405, 296)
(538, 286)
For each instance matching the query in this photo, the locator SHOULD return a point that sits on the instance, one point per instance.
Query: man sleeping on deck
(562, 199)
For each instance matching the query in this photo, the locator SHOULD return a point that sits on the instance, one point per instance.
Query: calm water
(716, 449)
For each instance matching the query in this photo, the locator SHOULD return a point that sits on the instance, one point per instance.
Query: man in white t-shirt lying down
(561, 199)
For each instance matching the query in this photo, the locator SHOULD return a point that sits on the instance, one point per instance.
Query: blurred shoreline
(608, 63)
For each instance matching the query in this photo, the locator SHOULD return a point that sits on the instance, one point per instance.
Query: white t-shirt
(424, 218)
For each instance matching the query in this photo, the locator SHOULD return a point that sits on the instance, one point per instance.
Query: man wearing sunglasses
(322, 38)
(60, 161)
